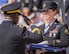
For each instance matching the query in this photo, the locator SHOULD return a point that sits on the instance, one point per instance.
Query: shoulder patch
(36, 30)
(66, 31)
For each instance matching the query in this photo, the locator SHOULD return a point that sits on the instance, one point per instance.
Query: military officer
(50, 28)
(49, 11)
(12, 37)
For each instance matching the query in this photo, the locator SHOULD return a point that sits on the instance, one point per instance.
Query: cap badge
(44, 5)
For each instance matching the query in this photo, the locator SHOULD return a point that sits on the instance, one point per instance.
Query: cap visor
(43, 9)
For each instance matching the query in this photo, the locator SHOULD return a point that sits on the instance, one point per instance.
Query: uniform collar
(46, 24)
(7, 20)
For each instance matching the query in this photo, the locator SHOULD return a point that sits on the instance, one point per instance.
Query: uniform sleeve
(32, 36)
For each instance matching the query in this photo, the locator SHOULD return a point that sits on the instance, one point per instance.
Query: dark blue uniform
(12, 37)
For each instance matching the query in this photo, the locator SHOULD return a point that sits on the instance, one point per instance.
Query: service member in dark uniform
(50, 29)
(12, 37)
(49, 11)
